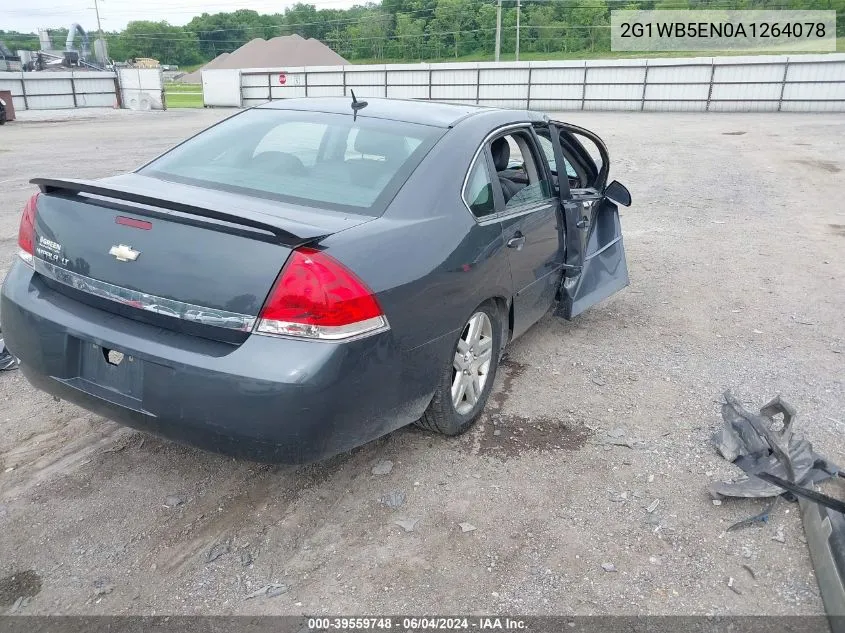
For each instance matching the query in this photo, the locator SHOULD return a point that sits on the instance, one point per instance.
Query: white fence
(49, 90)
(140, 89)
(800, 83)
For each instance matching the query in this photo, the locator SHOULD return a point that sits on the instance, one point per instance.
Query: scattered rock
(733, 587)
(173, 501)
(779, 537)
(616, 433)
(383, 467)
(103, 587)
(393, 499)
(655, 560)
(21, 603)
(746, 552)
(466, 527)
(751, 571)
(246, 558)
(271, 591)
(497, 432)
(407, 524)
(622, 496)
(653, 506)
(651, 479)
(216, 552)
(608, 567)
(598, 381)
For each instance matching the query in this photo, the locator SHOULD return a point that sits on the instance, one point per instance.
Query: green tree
(159, 40)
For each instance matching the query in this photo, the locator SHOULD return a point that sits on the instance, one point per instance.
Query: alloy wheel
(471, 365)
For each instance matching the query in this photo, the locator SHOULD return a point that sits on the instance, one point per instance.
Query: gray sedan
(306, 275)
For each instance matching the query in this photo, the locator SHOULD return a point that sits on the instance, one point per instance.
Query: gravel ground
(735, 247)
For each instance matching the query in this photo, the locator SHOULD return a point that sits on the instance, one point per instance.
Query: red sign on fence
(283, 78)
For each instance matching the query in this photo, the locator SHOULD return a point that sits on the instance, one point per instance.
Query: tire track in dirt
(56, 453)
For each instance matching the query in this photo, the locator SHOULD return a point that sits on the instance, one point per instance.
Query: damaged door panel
(595, 264)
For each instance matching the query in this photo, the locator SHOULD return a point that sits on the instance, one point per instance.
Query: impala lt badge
(124, 253)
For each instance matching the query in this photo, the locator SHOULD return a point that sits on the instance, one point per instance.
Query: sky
(30, 15)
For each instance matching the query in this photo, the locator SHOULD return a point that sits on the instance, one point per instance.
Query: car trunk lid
(172, 254)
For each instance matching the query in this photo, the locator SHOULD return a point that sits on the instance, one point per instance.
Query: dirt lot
(736, 247)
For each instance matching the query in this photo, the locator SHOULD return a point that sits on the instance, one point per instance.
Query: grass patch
(183, 95)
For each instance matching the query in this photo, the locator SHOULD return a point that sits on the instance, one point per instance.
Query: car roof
(435, 113)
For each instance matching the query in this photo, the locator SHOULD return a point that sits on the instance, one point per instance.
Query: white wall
(754, 83)
(141, 88)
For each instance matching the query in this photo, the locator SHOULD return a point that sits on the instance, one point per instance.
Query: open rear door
(595, 255)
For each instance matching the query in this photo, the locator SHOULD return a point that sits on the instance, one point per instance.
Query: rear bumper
(269, 399)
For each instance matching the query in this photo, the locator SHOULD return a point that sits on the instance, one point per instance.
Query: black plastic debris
(780, 464)
(7, 361)
(769, 458)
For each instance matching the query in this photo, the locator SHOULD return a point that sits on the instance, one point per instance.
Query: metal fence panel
(743, 106)
(407, 92)
(677, 92)
(611, 92)
(679, 74)
(287, 92)
(830, 71)
(59, 86)
(748, 73)
(408, 77)
(746, 92)
(325, 91)
(557, 76)
(814, 91)
(752, 83)
(675, 106)
(503, 76)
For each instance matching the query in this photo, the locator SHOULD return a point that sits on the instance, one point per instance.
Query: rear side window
(312, 158)
(478, 194)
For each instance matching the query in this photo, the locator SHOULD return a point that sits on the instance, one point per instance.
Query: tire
(442, 415)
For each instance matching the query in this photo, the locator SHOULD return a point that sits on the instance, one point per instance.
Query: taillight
(317, 297)
(26, 232)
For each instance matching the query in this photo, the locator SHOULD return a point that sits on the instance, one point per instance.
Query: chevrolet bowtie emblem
(124, 253)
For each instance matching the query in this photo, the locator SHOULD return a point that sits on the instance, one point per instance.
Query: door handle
(517, 241)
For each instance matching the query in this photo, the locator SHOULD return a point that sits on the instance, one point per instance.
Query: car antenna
(356, 105)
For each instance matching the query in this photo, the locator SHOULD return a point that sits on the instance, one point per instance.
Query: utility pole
(498, 29)
(517, 30)
(97, 11)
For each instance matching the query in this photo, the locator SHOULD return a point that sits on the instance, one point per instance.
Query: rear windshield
(310, 158)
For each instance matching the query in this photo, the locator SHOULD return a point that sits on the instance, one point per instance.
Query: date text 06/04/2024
(413, 624)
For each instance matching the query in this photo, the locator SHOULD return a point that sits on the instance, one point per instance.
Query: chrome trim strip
(338, 333)
(144, 301)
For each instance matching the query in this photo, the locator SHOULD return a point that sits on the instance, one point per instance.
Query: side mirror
(618, 192)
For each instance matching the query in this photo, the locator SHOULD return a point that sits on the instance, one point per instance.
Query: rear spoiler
(73, 187)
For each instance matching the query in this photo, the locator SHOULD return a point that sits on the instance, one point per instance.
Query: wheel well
(505, 310)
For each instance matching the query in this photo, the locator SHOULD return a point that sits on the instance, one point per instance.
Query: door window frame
(540, 162)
